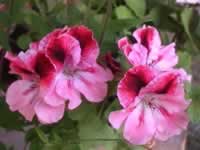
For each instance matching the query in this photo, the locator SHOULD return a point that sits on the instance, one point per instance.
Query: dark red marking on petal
(146, 37)
(43, 67)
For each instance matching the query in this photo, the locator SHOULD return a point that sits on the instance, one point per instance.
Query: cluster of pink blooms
(152, 91)
(55, 73)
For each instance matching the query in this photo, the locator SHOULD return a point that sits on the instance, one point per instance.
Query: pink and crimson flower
(148, 49)
(27, 95)
(74, 51)
(153, 105)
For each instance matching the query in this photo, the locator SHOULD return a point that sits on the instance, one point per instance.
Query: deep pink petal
(122, 43)
(140, 126)
(66, 90)
(20, 93)
(89, 46)
(44, 69)
(149, 37)
(94, 91)
(165, 83)
(47, 114)
(117, 118)
(64, 49)
(132, 82)
(18, 66)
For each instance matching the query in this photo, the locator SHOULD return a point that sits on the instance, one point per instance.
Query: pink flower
(148, 49)
(27, 95)
(74, 51)
(55, 70)
(153, 105)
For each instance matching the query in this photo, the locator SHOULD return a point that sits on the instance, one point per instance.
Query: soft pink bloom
(74, 51)
(58, 69)
(27, 95)
(148, 49)
(153, 105)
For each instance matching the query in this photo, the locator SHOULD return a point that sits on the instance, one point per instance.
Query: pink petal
(116, 118)
(66, 90)
(140, 126)
(64, 49)
(45, 69)
(123, 42)
(138, 54)
(169, 125)
(149, 37)
(48, 114)
(167, 58)
(95, 72)
(164, 83)
(28, 112)
(89, 46)
(132, 82)
(52, 98)
(25, 91)
(94, 91)
(18, 66)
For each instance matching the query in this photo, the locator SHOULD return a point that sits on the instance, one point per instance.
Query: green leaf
(122, 12)
(138, 6)
(24, 41)
(93, 132)
(2, 146)
(186, 17)
(12, 120)
(4, 40)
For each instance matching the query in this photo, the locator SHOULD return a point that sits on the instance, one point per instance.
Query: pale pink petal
(95, 72)
(138, 54)
(117, 118)
(47, 114)
(20, 93)
(140, 126)
(169, 125)
(28, 112)
(92, 90)
(131, 84)
(52, 98)
(167, 58)
(66, 90)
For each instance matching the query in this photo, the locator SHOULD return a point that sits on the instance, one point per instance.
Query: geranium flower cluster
(151, 91)
(55, 72)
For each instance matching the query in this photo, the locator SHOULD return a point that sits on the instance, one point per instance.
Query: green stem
(41, 135)
(87, 13)
(105, 21)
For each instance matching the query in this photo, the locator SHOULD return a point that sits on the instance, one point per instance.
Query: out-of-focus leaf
(24, 41)
(10, 117)
(122, 12)
(4, 40)
(93, 132)
(2, 146)
(186, 17)
(138, 6)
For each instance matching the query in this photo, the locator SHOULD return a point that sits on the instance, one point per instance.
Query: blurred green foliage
(23, 21)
